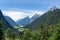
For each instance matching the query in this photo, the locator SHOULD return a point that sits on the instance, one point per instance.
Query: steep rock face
(48, 19)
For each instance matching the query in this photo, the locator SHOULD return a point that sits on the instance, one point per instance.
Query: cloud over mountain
(15, 15)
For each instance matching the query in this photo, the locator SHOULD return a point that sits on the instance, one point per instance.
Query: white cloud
(15, 15)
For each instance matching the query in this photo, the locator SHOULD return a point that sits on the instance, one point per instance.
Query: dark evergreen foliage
(1, 32)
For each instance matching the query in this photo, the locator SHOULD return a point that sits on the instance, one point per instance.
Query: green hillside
(48, 19)
(46, 27)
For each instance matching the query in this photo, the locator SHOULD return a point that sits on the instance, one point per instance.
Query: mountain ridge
(49, 18)
(11, 22)
(25, 21)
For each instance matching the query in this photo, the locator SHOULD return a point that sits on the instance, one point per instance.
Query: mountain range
(25, 21)
(44, 27)
(47, 19)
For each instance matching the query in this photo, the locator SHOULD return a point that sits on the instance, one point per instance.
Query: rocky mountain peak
(53, 8)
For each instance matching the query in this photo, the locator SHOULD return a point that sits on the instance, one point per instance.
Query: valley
(39, 27)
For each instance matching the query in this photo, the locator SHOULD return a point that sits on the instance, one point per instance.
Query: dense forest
(46, 27)
(43, 33)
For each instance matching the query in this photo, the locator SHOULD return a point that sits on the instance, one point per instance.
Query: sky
(17, 9)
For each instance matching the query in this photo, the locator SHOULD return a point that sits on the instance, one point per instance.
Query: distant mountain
(34, 17)
(23, 21)
(48, 19)
(53, 8)
(11, 22)
(27, 20)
